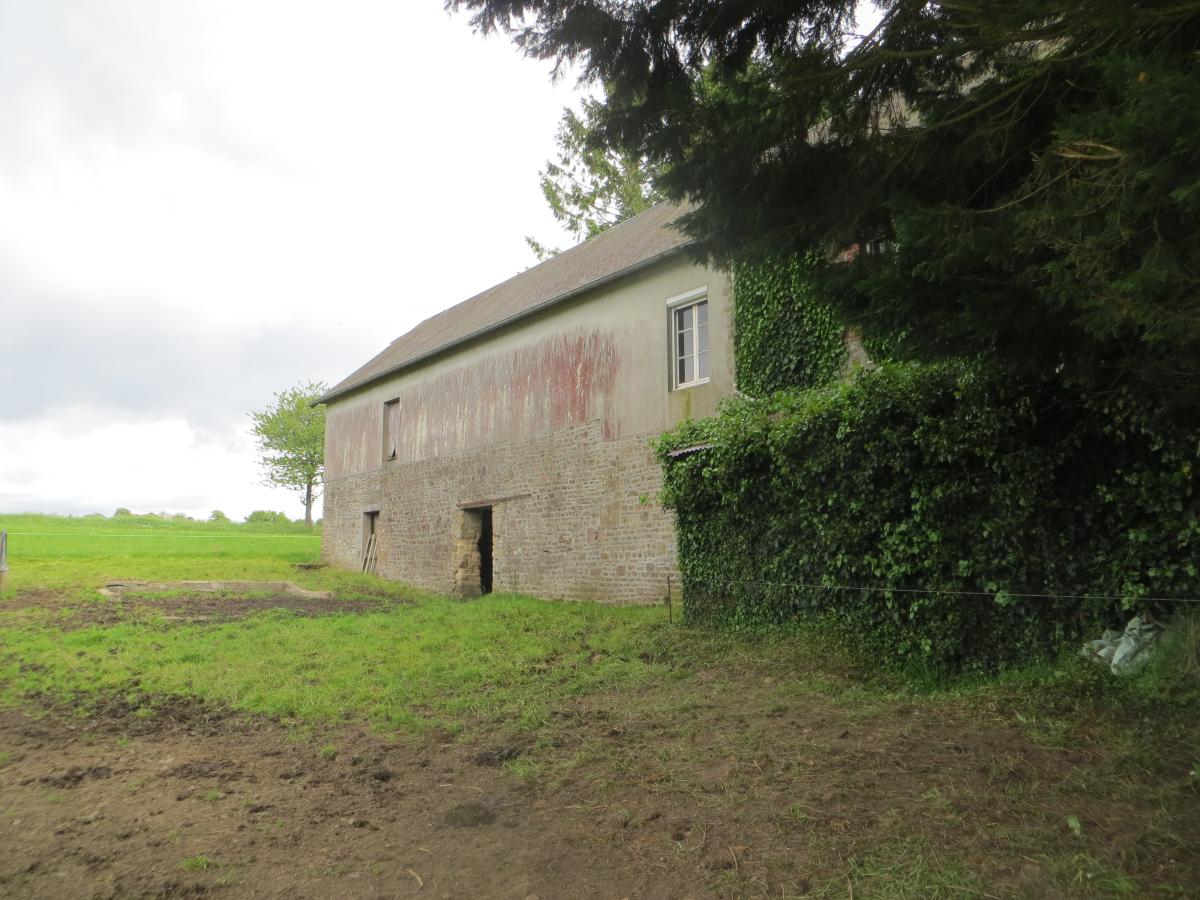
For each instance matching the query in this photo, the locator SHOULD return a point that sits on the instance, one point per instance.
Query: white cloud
(204, 202)
(159, 465)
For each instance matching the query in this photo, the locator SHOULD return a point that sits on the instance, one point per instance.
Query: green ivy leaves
(784, 336)
(910, 509)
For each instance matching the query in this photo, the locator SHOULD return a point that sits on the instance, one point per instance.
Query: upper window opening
(391, 429)
(690, 342)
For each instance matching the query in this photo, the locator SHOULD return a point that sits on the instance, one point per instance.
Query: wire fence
(716, 595)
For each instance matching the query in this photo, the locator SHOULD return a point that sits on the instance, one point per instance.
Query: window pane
(691, 343)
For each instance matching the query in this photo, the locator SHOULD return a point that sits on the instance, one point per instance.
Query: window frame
(676, 305)
(393, 406)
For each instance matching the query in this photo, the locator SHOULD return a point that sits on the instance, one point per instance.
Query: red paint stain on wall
(563, 380)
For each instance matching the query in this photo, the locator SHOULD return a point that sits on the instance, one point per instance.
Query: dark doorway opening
(485, 550)
(370, 542)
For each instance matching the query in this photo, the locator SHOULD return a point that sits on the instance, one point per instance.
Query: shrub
(218, 516)
(909, 508)
(267, 517)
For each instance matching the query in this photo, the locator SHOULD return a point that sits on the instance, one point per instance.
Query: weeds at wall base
(1057, 682)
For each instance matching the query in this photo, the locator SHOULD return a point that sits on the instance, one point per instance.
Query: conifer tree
(589, 186)
(1033, 166)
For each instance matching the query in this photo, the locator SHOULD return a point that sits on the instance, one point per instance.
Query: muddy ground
(184, 607)
(727, 783)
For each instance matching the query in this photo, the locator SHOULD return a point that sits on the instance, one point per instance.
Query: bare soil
(741, 791)
(746, 779)
(184, 607)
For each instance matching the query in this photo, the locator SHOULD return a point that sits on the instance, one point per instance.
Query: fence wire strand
(682, 583)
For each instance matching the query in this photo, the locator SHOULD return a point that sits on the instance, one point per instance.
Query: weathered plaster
(555, 414)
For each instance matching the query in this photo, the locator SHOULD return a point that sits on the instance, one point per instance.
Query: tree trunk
(308, 504)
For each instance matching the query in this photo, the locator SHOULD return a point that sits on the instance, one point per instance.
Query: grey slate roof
(618, 251)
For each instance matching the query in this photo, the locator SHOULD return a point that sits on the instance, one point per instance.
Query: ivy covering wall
(784, 336)
(925, 513)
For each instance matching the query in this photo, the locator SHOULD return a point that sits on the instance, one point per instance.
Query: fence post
(3, 557)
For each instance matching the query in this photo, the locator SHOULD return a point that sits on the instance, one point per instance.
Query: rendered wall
(549, 423)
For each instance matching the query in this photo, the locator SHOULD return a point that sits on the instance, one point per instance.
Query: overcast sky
(205, 202)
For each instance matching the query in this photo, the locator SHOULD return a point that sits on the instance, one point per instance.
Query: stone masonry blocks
(575, 516)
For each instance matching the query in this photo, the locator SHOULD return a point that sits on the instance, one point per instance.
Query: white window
(689, 338)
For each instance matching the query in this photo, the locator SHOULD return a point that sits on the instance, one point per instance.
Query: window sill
(690, 384)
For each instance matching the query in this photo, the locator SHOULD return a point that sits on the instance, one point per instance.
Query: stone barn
(503, 445)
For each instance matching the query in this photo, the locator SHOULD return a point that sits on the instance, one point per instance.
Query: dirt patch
(497, 756)
(75, 775)
(718, 786)
(208, 608)
(183, 607)
(120, 588)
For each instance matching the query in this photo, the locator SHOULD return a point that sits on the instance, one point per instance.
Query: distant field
(81, 553)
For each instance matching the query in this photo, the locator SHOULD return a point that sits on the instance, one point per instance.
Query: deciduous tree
(291, 441)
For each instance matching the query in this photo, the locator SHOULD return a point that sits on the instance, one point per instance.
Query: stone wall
(575, 516)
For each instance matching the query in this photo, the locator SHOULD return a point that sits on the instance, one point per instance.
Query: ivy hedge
(909, 509)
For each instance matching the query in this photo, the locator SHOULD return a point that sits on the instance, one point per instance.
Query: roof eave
(505, 322)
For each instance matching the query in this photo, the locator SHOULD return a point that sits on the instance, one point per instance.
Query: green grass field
(433, 662)
(1092, 781)
(418, 659)
(81, 553)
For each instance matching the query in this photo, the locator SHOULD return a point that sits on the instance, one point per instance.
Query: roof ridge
(584, 243)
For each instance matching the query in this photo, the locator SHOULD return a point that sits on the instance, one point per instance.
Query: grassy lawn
(80, 554)
(431, 662)
(741, 767)
(434, 664)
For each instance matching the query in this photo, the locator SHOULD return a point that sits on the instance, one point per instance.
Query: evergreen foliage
(1035, 163)
(590, 187)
